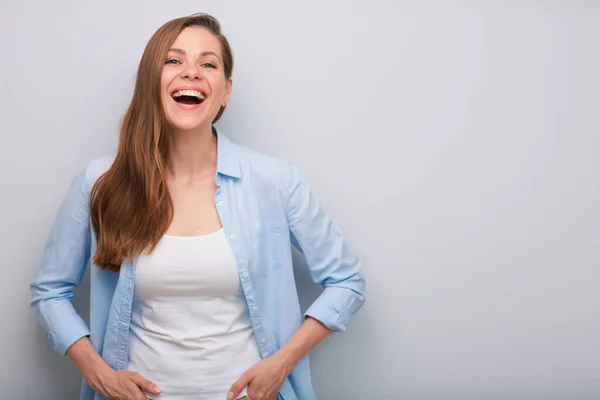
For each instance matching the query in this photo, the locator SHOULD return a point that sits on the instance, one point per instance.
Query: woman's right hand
(113, 385)
(123, 385)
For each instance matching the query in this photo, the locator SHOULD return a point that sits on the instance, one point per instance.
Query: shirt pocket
(267, 246)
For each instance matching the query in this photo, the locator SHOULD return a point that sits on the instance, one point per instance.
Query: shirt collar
(228, 157)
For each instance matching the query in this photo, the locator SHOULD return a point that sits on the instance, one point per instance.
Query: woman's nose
(192, 71)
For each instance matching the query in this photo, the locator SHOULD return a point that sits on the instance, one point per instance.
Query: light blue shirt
(265, 205)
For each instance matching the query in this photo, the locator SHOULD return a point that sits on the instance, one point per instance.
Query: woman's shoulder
(95, 168)
(258, 164)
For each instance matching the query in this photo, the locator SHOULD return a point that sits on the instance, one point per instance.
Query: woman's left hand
(263, 379)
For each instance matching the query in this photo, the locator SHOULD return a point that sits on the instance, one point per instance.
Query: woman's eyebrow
(202, 54)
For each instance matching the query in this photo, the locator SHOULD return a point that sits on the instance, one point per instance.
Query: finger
(144, 383)
(240, 384)
(136, 393)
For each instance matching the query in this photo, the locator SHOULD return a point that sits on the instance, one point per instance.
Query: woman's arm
(331, 262)
(64, 261)
(306, 338)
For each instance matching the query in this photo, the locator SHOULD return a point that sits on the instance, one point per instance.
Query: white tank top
(190, 326)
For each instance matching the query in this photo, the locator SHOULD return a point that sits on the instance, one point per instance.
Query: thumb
(144, 383)
(240, 384)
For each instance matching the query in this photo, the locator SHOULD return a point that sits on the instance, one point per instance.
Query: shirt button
(245, 274)
(254, 309)
(263, 341)
(232, 237)
(220, 203)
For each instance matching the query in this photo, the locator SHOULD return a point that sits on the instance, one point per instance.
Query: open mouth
(188, 96)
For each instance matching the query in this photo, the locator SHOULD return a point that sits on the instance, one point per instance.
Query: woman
(189, 237)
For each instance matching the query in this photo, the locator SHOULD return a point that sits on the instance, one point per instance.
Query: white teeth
(194, 93)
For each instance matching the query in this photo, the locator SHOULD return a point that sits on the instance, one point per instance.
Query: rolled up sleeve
(63, 263)
(331, 262)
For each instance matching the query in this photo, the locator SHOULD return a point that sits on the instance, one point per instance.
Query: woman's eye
(171, 61)
(209, 65)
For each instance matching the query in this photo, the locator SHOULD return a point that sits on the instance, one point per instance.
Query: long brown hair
(130, 205)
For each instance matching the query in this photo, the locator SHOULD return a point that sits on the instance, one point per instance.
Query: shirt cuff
(63, 324)
(334, 307)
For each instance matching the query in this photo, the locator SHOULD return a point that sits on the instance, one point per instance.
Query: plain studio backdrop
(456, 144)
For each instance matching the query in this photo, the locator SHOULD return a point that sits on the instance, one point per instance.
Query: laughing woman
(189, 240)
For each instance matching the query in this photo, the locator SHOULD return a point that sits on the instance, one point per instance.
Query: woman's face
(193, 84)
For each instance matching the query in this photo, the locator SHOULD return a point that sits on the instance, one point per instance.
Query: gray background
(454, 142)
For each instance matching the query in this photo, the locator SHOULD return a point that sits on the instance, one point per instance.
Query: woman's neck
(192, 154)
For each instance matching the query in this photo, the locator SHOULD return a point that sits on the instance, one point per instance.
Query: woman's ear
(227, 92)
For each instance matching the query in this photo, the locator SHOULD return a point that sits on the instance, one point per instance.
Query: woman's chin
(190, 126)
